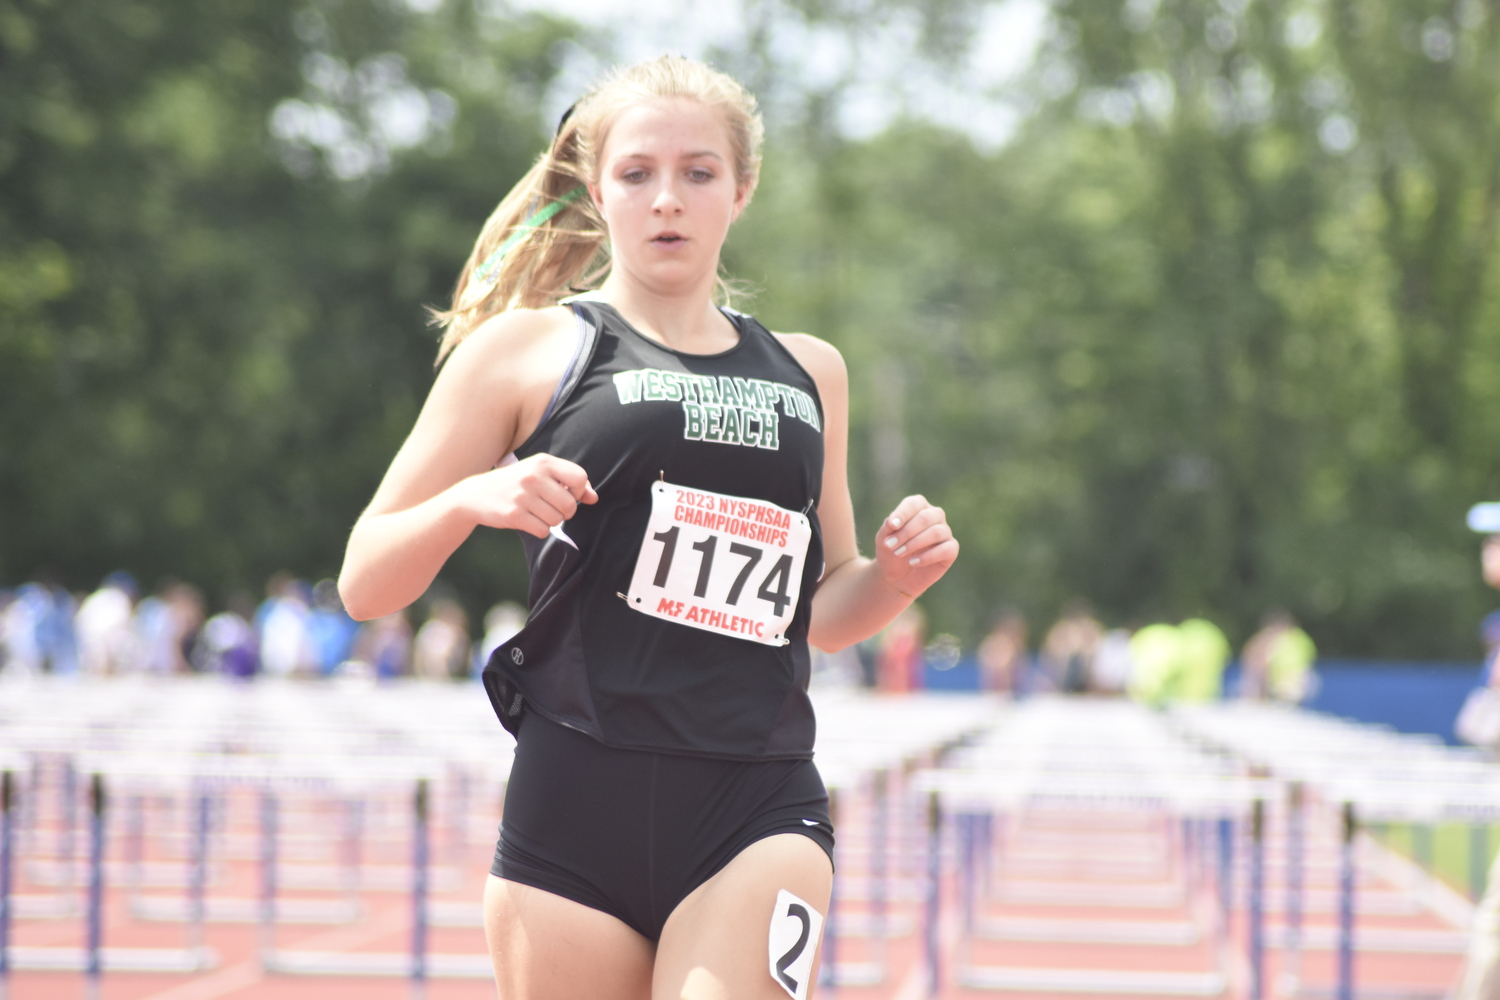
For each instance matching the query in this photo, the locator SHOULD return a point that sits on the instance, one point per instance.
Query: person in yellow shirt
(1156, 664)
(1178, 663)
(1203, 651)
(1278, 661)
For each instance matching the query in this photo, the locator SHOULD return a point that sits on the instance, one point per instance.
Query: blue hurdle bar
(198, 873)
(1346, 907)
(419, 860)
(1294, 849)
(7, 832)
(934, 890)
(1257, 901)
(95, 930)
(267, 875)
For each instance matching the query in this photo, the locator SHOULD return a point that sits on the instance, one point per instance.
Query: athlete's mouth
(669, 239)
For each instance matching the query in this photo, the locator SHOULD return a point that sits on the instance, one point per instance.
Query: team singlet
(672, 615)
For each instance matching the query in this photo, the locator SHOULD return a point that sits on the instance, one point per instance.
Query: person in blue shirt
(1489, 628)
(1481, 974)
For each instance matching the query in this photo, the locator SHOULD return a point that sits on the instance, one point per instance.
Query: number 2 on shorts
(795, 927)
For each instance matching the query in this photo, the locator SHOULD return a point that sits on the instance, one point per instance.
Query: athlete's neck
(689, 324)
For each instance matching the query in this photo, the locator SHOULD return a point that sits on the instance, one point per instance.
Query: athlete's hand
(914, 546)
(531, 495)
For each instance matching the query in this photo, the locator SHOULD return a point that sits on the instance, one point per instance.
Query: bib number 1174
(721, 563)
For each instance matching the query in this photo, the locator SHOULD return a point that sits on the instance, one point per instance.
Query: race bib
(721, 563)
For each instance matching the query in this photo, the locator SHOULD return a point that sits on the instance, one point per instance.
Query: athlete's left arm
(860, 596)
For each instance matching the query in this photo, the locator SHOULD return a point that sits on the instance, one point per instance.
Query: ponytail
(544, 237)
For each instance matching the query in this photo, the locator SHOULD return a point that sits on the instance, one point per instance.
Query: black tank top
(658, 615)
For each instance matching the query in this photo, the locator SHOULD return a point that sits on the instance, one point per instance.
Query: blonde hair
(546, 238)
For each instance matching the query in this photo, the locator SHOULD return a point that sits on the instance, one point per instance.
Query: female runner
(678, 473)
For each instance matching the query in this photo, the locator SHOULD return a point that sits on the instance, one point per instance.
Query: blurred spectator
(501, 622)
(330, 630)
(6, 598)
(226, 643)
(58, 634)
(1480, 979)
(1155, 664)
(837, 670)
(20, 624)
(1068, 651)
(898, 665)
(1113, 663)
(1489, 629)
(868, 655)
(36, 630)
(441, 649)
(281, 624)
(1002, 653)
(1277, 661)
(1204, 652)
(106, 641)
(166, 627)
(384, 646)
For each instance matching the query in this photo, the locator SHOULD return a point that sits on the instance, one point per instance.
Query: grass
(1446, 850)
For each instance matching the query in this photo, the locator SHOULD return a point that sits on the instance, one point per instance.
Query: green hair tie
(486, 274)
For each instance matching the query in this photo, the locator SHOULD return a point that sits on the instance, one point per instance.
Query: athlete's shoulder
(821, 359)
(511, 333)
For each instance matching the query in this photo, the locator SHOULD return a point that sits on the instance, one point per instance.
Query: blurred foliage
(1216, 332)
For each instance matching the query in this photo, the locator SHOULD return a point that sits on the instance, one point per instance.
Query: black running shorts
(631, 832)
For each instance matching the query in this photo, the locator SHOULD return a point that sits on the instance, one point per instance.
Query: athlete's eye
(700, 174)
(633, 176)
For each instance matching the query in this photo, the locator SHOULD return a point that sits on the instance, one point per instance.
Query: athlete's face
(667, 191)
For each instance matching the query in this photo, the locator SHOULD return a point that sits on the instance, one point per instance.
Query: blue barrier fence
(1411, 697)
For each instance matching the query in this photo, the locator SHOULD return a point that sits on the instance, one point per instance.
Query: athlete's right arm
(488, 397)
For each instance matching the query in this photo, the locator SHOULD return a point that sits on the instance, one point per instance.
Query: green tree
(220, 224)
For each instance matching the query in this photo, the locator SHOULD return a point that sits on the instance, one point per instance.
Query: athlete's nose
(667, 201)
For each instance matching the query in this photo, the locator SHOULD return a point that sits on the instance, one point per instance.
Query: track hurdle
(865, 743)
(1081, 757)
(1366, 775)
(419, 964)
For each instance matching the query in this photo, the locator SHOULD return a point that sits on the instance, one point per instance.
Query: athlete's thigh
(546, 947)
(715, 945)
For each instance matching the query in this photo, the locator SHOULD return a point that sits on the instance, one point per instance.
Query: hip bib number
(720, 563)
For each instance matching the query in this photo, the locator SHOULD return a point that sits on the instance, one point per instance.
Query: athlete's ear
(741, 200)
(597, 196)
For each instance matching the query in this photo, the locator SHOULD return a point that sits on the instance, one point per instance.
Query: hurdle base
(45, 907)
(445, 913)
(1156, 932)
(175, 909)
(40, 959)
(125, 874)
(381, 964)
(369, 878)
(1101, 981)
(1143, 897)
(862, 925)
(1318, 991)
(1378, 939)
(858, 973)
